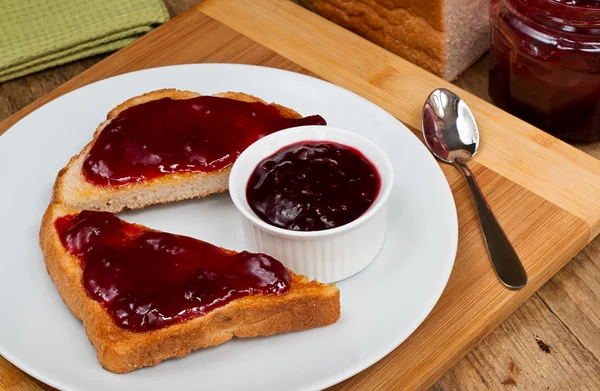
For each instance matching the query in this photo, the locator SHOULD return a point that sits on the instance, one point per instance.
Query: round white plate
(381, 306)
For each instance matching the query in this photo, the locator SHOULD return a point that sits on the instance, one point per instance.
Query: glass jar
(545, 64)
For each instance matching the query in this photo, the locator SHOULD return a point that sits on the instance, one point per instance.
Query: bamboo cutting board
(545, 193)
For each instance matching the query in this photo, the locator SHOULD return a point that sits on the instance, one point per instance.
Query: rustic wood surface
(550, 342)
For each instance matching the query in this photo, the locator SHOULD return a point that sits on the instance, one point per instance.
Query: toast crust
(308, 304)
(71, 187)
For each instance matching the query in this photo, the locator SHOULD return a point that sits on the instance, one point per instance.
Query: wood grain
(532, 209)
(519, 363)
(13, 379)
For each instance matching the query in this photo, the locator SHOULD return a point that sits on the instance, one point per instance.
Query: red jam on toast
(165, 136)
(148, 280)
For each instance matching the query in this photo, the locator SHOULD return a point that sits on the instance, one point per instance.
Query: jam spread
(312, 186)
(148, 279)
(545, 64)
(166, 136)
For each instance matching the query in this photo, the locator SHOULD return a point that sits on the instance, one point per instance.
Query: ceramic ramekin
(328, 255)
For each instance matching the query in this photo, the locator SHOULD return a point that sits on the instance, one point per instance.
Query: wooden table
(551, 342)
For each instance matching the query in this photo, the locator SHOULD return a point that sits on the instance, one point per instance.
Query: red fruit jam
(313, 186)
(167, 136)
(545, 64)
(148, 280)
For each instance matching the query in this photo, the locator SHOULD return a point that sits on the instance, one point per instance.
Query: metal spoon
(452, 136)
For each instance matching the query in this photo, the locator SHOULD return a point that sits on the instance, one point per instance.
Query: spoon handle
(505, 260)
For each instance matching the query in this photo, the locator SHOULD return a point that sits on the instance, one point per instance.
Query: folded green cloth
(39, 34)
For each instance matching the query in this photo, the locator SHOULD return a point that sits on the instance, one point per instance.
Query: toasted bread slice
(308, 304)
(71, 187)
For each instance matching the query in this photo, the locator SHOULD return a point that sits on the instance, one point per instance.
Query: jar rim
(557, 15)
(583, 7)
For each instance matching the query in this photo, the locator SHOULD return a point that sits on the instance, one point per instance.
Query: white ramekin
(328, 255)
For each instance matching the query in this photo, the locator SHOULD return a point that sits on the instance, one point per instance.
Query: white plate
(381, 306)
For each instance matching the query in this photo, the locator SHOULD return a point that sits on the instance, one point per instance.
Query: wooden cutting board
(545, 193)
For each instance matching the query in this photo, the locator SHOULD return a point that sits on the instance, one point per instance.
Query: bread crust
(71, 187)
(308, 304)
(444, 37)
(412, 29)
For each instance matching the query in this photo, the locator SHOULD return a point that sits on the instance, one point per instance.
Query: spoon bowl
(449, 127)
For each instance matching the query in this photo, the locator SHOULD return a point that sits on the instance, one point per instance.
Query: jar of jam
(545, 64)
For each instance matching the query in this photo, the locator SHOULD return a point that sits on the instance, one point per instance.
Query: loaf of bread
(443, 36)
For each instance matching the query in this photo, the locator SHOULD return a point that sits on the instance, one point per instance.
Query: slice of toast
(71, 187)
(308, 304)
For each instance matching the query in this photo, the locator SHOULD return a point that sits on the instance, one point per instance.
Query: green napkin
(39, 34)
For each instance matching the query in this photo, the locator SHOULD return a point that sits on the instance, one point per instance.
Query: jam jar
(545, 64)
